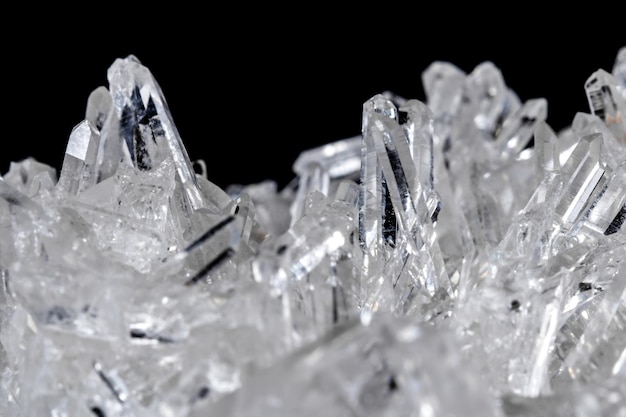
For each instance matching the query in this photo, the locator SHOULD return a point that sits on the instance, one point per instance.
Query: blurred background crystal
(458, 257)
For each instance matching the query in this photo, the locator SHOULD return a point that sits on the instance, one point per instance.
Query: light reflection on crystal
(458, 257)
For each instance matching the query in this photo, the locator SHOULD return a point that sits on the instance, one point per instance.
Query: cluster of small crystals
(458, 257)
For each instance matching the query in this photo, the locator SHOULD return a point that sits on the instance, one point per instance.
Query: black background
(249, 93)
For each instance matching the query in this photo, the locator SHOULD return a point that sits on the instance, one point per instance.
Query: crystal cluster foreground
(458, 257)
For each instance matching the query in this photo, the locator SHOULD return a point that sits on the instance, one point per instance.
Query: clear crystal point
(546, 149)
(607, 102)
(78, 172)
(145, 126)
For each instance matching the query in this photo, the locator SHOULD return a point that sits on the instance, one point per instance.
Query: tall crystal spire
(142, 125)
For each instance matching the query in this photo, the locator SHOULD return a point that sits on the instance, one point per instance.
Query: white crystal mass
(457, 258)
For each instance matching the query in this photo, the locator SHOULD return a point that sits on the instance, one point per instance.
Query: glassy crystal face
(457, 257)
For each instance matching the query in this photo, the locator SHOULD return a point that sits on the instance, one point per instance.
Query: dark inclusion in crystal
(140, 334)
(136, 128)
(59, 314)
(203, 393)
(390, 225)
(211, 266)
(97, 411)
(617, 222)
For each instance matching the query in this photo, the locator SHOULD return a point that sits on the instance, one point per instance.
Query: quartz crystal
(457, 257)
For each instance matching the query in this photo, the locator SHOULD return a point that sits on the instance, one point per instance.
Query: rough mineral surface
(457, 258)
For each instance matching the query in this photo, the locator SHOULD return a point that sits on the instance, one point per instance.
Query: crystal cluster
(458, 257)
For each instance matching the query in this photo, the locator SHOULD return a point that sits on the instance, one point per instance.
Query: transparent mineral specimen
(458, 257)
